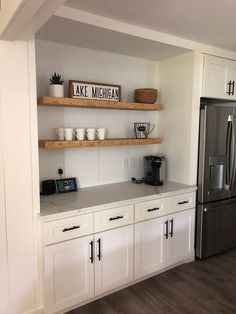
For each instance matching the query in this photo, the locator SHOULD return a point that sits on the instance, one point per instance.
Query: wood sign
(90, 90)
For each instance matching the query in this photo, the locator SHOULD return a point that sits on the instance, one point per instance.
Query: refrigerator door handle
(228, 149)
(232, 175)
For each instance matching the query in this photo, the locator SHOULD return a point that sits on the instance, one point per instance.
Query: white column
(16, 161)
(4, 304)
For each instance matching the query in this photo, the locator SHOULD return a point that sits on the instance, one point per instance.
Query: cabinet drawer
(67, 228)
(181, 202)
(114, 217)
(150, 209)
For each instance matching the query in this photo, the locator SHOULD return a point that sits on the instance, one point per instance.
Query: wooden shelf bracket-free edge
(55, 144)
(97, 104)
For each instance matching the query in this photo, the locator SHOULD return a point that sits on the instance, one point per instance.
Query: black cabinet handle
(184, 202)
(152, 209)
(233, 88)
(171, 227)
(99, 249)
(91, 252)
(166, 231)
(229, 90)
(71, 228)
(115, 218)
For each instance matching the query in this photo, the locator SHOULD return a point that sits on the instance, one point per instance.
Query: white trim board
(114, 25)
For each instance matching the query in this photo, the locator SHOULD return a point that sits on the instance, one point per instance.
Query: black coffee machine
(154, 170)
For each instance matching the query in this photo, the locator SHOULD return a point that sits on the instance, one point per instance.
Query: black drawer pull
(184, 202)
(171, 227)
(166, 227)
(233, 88)
(152, 209)
(115, 218)
(71, 228)
(229, 90)
(91, 252)
(99, 249)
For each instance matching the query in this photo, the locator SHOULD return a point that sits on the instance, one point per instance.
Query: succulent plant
(56, 79)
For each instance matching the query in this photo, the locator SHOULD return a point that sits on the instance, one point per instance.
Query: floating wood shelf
(50, 144)
(97, 104)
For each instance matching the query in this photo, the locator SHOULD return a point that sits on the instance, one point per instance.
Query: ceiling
(69, 32)
(211, 22)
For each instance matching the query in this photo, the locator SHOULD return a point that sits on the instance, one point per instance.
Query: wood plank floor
(200, 287)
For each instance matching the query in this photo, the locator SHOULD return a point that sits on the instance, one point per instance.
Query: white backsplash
(94, 166)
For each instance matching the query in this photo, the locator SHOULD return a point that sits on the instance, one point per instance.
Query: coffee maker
(154, 170)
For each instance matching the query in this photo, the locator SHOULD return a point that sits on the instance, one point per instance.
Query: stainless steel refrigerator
(216, 196)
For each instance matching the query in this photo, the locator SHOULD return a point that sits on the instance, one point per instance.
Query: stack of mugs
(67, 134)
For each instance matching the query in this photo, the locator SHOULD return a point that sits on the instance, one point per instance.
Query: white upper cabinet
(232, 77)
(219, 78)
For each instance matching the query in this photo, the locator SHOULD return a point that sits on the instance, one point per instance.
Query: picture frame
(94, 90)
(66, 185)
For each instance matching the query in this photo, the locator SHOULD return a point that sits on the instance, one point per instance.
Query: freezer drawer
(216, 228)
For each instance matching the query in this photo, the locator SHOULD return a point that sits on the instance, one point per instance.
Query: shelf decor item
(66, 185)
(143, 129)
(95, 91)
(56, 88)
(145, 95)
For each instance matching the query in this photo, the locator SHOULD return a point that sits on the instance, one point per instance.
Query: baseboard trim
(36, 311)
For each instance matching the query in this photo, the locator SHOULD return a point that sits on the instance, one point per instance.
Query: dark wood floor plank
(201, 287)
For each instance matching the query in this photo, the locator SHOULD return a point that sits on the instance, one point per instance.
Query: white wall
(93, 166)
(176, 85)
(16, 161)
(4, 287)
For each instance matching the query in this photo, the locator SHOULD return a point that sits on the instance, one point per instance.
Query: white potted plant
(56, 88)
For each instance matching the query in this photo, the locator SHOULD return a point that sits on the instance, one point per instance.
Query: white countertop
(106, 196)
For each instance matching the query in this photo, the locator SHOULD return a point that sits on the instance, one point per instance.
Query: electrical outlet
(124, 163)
(59, 165)
(131, 162)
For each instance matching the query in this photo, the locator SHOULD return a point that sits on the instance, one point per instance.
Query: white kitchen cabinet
(150, 247)
(232, 77)
(163, 242)
(69, 274)
(67, 228)
(83, 260)
(70, 266)
(181, 236)
(113, 218)
(151, 209)
(219, 78)
(114, 259)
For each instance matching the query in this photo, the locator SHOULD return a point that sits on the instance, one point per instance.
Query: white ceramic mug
(68, 134)
(101, 133)
(90, 133)
(79, 134)
(60, 134)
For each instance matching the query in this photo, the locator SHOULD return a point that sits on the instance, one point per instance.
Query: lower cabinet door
(181, 236)
(69, 274)
(114, 259)
(150, 246)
